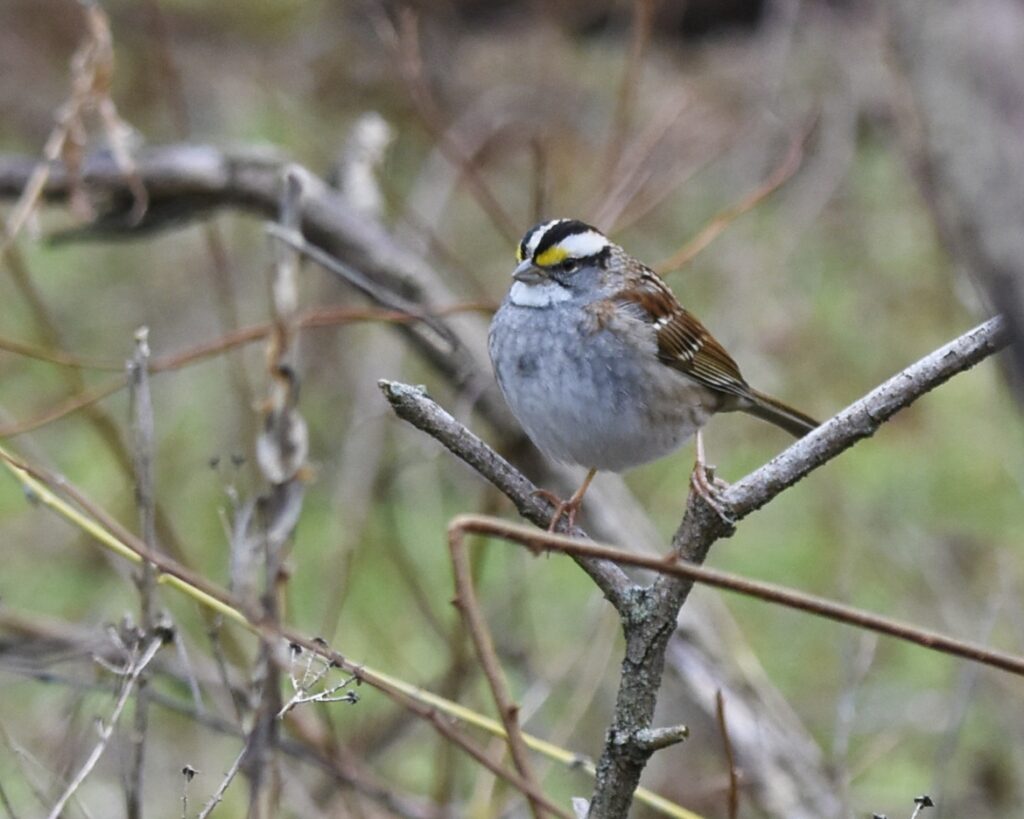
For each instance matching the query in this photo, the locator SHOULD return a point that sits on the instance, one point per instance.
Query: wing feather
(683, 342)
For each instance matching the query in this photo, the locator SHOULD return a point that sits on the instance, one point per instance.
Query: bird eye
(569, 266)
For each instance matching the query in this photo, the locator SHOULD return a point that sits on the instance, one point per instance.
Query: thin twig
(405, 43)
(66, 407)
(315, 318)
(106, 730)
(640, 36)
(638, 166)
(721, 220)
(6, 802)
(357, 279)
(539, 541)
(730, 759)
(58, 357)
(218, 794)
(40, 484)
(143, 436)
(467, 604)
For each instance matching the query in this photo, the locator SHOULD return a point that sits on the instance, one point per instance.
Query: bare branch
(188, 182)
(730, 758)
(863, 417)
(649, 614)
(412, 404)
(229, 777)
(721, 220)
(466, 602)
(142, 434)
(539, 541)
(106, 730)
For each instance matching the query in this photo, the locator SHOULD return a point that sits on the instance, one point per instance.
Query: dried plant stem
(106, 730)
(281, 449)
(315, 318)
(92, 68)
(721, 220)
(649, 613)
(218, 794)
(467, 604)
(435, 710)
(730, 758)
(143, 435)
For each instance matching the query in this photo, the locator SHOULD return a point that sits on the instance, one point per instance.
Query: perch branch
(863, 417)
(649, 613)
(412, 404)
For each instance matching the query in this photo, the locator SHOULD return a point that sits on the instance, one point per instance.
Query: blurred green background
(834, 283)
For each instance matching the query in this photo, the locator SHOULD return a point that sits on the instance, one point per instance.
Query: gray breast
(586, 396)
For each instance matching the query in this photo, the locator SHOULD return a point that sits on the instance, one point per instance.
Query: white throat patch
(543, 294)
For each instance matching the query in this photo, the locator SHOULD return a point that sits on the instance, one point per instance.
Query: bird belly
(593, 401)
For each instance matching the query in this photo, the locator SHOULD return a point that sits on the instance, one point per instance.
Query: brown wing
(683, 342)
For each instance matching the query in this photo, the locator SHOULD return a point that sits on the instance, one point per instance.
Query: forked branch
(649, 613)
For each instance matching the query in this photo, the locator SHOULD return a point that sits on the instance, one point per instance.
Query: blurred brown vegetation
(830, 285)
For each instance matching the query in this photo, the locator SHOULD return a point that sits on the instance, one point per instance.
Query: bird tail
(782, 415)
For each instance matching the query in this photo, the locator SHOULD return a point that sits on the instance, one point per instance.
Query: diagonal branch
(412, 404)
(469, 607)
(863, 417)
(649, 613)
(538, 542)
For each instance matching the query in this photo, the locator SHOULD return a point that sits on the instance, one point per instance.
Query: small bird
(601, 364)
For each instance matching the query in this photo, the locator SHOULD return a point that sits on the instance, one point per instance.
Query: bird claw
(568, 508)
(710, 489)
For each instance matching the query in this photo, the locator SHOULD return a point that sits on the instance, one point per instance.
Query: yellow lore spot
(551, 256)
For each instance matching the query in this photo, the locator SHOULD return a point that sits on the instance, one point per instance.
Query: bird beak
(528, 273)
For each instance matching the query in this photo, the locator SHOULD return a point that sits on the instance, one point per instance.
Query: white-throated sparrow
(600, 363)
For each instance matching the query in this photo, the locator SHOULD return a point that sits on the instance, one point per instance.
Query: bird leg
(570, 507)
(705, 484)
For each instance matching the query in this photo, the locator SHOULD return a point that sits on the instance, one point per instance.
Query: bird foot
(568, 508)
(711, 488)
